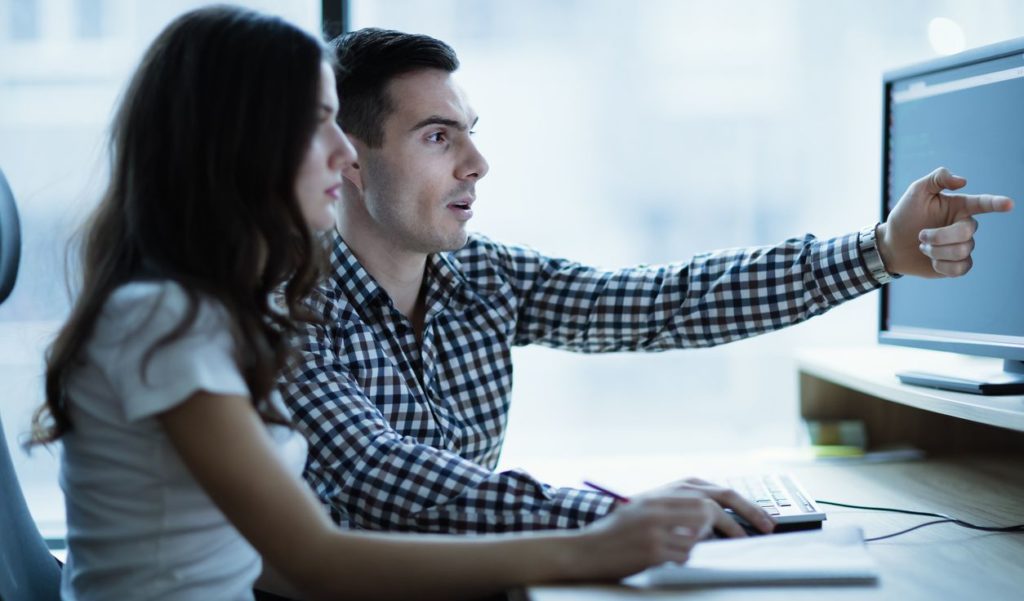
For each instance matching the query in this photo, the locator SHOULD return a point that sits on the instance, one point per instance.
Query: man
(404, 393)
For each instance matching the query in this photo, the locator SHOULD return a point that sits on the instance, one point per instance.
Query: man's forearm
(427, 490)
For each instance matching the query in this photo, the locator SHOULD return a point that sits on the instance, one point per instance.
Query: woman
(178, 466)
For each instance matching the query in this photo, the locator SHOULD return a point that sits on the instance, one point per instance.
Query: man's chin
(447, 243)
(456, 242)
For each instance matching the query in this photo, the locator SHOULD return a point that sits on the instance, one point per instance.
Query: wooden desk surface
(937, 562)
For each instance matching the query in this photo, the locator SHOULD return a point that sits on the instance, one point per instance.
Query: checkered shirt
(406, 435)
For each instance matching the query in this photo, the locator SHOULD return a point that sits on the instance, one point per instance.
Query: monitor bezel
(939, 340)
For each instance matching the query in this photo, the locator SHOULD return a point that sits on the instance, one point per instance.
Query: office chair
(27, 570)
(10, 239)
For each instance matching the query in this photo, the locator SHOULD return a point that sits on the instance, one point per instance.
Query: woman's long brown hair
(205, 149)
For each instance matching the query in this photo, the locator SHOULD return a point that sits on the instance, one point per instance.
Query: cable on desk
(945, 519)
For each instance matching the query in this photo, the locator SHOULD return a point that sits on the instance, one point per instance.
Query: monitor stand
(1008, 381)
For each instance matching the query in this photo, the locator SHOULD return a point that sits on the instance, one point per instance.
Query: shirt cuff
(840, 270)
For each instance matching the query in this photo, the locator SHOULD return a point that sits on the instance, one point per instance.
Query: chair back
(10, 239)
(27, 570)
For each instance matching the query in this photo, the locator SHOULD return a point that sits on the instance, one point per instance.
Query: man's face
(418, 187)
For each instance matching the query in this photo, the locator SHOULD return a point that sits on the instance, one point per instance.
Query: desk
(937, 562)
(974, 471)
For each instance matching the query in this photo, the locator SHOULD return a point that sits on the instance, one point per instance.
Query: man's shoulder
(477, 246)
(482, 253)
(488, 265)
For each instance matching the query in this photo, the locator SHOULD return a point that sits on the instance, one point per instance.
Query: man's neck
(398, 271)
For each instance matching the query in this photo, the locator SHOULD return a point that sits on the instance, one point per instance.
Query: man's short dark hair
(367, 61)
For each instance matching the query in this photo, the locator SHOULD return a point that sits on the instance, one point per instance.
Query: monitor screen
(965, 113)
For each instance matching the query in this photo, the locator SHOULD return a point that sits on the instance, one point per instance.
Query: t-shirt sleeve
(150, 379)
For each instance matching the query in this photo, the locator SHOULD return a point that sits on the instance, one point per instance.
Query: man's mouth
(463, 208)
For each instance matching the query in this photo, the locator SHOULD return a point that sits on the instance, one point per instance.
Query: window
(617, 132)
(90, 18)
(643, 132)
(23, 20)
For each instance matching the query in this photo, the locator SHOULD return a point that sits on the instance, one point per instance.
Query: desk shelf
(861, 383)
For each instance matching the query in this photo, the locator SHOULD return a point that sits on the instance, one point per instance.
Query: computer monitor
(964, 112)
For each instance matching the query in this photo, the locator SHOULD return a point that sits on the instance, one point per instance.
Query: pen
(610, 493)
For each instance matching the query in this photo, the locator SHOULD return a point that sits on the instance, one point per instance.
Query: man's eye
(436, 137)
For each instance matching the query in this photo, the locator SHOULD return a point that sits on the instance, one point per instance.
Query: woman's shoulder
(160, 305)
(147, 294)
(157, 342)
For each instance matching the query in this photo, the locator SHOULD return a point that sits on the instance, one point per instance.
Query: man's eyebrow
(439, 120)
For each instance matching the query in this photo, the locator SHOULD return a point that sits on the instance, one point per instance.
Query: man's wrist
(876, 253)
(884, 248)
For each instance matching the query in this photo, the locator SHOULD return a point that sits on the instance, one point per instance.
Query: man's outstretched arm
(712, 299)
(727, 295)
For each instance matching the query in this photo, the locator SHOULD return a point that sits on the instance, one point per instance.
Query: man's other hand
(725, 498)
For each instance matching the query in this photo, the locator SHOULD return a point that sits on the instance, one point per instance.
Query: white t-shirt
(139, 525)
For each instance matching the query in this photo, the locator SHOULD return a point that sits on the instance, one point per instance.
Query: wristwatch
(868, 245)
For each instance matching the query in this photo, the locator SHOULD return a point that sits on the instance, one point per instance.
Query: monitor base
(1009, 381)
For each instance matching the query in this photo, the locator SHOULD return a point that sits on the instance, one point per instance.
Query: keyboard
(782, 497)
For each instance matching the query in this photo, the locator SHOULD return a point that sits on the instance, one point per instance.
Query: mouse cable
(945, 519)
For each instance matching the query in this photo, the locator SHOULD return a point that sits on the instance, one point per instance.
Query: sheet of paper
(821, 556)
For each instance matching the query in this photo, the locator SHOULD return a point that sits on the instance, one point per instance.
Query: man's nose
(474, 166)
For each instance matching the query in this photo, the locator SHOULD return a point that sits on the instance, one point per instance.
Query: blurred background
(617, 132)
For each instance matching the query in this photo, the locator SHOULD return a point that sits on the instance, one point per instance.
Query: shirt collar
(443, 275)
(444, 281)
(349, 276)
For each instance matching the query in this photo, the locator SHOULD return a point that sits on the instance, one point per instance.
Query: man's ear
(352, 171)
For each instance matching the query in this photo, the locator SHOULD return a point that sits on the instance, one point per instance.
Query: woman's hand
(648, 531)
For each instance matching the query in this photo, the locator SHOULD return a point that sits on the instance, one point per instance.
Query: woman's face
(318, 185)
